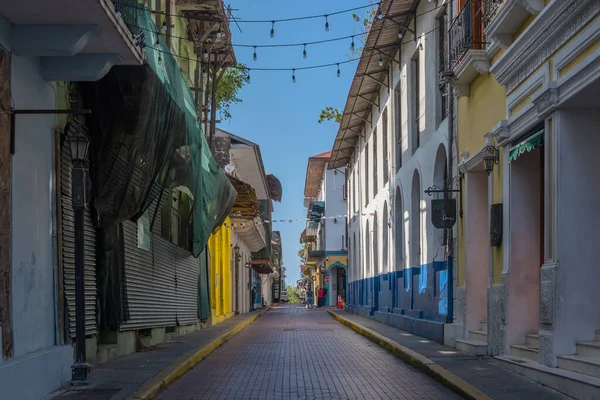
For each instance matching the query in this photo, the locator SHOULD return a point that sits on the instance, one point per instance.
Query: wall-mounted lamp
(490, 158)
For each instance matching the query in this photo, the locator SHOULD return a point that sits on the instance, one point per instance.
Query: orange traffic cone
(340, 303)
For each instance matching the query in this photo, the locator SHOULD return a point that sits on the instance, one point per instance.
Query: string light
(379, 15)
(219, 33)
(164, 26)
(254, 55)
(400, 34)
(272, 29)
(338, 70)
(293, 76)
(248, 76)
(205, 53)
(326, 23)
(380, 61)
(304, 52)
(352, 47)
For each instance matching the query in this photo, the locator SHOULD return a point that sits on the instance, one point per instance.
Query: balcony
(504, 18)
(467, 46)
(75, 40)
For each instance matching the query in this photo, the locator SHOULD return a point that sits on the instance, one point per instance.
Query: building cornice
(552, 28)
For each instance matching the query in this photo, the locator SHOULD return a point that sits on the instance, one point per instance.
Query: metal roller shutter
(187, 289)
(68, 248)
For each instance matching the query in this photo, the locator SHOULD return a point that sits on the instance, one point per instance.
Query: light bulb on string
(293, 76)
(272, 29)
(254, 55)
(219, 33)
(159, 59)
(326, 23)
(157, 44)
(248, 76)
(380, 61)
(205, 53)
(204, 72)
(379, 15)
(164, 26)
(304, 52)
(338, 70)
(352, 47)
(400, 34)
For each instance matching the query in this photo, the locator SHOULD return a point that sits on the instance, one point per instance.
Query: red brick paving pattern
(295, 353)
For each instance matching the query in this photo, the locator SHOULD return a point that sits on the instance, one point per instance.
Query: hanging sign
(327, 279)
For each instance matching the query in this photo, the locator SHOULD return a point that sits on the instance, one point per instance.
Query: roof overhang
(246, 203)
(314, 174)
(382, 44)
(251, 233)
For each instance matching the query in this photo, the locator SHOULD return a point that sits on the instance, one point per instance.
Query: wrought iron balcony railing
(128, 10)
(466, 31)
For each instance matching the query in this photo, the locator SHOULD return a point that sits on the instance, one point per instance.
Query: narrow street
(295, 353)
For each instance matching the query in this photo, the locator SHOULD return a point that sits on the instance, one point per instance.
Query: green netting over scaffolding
(147, 140)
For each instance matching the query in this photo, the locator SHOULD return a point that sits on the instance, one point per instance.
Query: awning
(275, 188)
(262, 265)
(250, 232)
(531, 141)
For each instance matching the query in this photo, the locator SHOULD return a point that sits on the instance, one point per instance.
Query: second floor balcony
(504, 18)
(468, 58)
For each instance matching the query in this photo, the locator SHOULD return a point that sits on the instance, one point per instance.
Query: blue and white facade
(399, 263)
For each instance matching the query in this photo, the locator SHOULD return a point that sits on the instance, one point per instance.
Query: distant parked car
(284, 298)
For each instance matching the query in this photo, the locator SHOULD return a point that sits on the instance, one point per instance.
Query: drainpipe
(449, 232)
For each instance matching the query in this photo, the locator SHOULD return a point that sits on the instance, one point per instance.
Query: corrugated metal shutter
(68, 248)
(187, 289)
(162, 284)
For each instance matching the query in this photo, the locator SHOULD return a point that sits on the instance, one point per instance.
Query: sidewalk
(480, 378)
(142, 375)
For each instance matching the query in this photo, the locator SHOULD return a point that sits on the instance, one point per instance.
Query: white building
(325, 197)
(394, 140)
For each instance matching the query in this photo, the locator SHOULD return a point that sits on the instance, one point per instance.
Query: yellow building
(219, 247)
(527, 81)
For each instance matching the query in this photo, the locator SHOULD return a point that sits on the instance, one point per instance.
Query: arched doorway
(385, 301)
(366, 268)
(375, 283)
(415, 234)
(440, 237)
(338, 283)
(398, 247)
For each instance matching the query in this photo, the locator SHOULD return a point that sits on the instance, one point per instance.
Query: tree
(227, 91)
(333, 114)
(293, 294)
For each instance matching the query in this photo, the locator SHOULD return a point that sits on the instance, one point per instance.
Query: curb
(150, 389)
(418, 361)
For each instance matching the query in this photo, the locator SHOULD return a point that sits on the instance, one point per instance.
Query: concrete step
(474, 347)
(525, 352)
(479, 336)
(588, 349)
(484, 326)
(597, 336)
(576, 385)
(532, 340)
(583, 365)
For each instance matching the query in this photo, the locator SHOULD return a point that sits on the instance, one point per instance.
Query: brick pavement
(121, 378)
(295, 353)
(485, 373)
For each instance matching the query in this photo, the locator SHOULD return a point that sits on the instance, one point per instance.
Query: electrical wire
(270, 21)
(297, 44)
(289, 69)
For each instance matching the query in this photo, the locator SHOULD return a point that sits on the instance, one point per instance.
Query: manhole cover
(90, 394)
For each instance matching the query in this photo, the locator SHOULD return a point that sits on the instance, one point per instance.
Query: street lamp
(238, 257)
(79, 143)
(490, 158)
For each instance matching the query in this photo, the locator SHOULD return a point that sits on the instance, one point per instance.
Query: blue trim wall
(415, 299)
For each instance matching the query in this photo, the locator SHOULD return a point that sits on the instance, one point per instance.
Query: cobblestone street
(295, 353)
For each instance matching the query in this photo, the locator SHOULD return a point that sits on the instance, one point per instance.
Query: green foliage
(293, 294)
(227, 91)
(330, 114)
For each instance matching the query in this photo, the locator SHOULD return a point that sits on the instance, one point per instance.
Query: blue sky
(282, 116)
